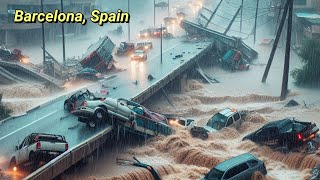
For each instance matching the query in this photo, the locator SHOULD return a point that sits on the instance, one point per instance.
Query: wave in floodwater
(25, 91)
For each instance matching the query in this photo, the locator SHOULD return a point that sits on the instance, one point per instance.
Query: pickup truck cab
(38, 146)
(225, 118)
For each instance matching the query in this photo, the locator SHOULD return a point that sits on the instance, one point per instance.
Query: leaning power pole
(284, 89)
(43, 37)
(154, 13)
(276, 41)
(63, 40)
(255, 22)
(230, 24)
(214, 12)
(241, 16)
(129, 21)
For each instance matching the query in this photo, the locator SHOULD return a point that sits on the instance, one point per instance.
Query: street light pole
(161, 45)
(168, 8)
(154, 13)
(63, 40)
(129, 22)
(43, 37)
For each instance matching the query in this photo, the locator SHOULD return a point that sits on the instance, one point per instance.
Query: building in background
(18, 33)
(306, 19)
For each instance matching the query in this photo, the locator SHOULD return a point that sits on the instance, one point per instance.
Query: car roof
(227, 112)
(225, 165)
(282, 124)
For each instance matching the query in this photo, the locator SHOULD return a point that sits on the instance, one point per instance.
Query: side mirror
(17, 148)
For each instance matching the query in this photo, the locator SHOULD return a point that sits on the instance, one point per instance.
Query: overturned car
(77, 99)
(286, 134)
(234, 60)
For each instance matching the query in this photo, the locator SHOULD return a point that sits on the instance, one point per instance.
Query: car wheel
(99, 115)
(68, 106)
(92, 123)
(32, 157)
(13, 163)
(257, 175)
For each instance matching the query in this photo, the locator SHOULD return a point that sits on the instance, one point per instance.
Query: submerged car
(89, 74)
(287, 133)
(128, 113)
(76, 99)
(239, 167)
(139, 55)
(225, 118)
(234, 60)
(175, 121)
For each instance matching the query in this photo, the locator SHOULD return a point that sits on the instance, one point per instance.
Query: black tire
(32, 157)
(68, 106)
(98, 117)
(13, 163)
(92, 123)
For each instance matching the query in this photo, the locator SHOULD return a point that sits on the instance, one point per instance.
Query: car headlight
(146, 34)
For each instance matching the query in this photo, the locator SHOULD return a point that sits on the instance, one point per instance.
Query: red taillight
(67, 146)
(38, 145)
(300, 137)
(84, 103)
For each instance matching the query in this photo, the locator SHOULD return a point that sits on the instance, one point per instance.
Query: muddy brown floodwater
(180, 156)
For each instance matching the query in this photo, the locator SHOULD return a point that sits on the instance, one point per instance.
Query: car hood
(209, 129)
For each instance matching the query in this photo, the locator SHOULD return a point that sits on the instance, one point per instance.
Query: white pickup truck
(36, 147)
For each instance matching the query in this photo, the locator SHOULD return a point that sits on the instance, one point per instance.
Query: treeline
(4, 111)
(309, 74)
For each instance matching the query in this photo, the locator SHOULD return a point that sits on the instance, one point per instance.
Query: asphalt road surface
(52, 118)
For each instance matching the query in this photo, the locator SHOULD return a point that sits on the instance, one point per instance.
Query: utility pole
(255, 22)
(154, 13)
(43, 38)
(284, 89)
(230, 24)
(161, 44)
(168, 8)
(241, 16)
(214, 12)
(63, 40)
(276, 41)
(129, 22)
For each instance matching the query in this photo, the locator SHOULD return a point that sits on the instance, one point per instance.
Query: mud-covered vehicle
(244, 166)
(128, 113)
(76, 99)
(178, 121)
(233, 60)
(286, 134)
(225, 118)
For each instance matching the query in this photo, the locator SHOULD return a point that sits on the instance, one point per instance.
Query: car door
(22, 152)
(229, 121)
(237, 120)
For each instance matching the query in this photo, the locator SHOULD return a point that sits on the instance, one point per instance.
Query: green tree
(4, 111)
(309, 74)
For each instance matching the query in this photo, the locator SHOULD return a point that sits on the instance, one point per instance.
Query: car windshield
(214, 174)
(217, 121)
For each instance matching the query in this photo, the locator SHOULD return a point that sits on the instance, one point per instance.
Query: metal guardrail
(72, 156)
(147, 93)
